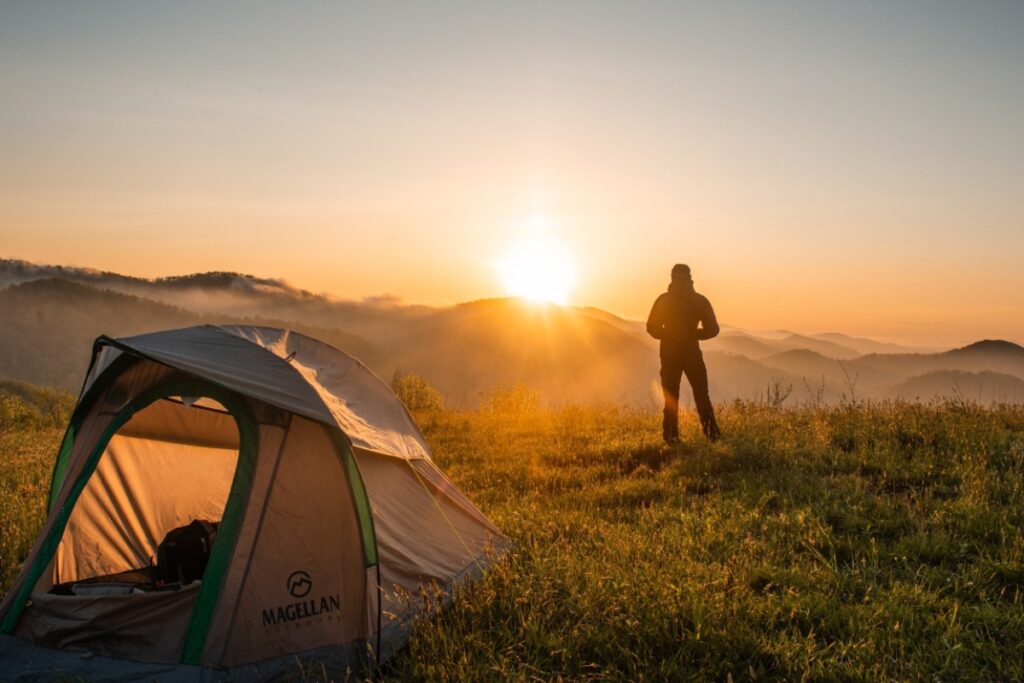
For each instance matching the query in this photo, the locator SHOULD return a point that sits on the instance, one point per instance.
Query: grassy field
(859, 542)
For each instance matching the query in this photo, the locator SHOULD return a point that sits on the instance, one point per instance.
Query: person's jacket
(681, 318)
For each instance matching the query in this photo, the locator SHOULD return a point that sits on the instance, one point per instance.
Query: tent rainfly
(328, 515)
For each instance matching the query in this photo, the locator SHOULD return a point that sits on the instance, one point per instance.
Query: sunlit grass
(859, 542)
(862, 542)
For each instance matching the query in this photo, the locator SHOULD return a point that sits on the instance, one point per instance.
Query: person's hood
(676, 287)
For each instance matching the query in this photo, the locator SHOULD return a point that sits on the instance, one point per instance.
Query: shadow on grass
(653, 458)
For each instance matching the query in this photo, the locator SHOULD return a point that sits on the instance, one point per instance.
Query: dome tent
(331, 515)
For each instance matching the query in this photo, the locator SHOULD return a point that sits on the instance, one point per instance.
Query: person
(680, 319)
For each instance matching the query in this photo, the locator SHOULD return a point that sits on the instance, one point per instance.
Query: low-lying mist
(568, 355)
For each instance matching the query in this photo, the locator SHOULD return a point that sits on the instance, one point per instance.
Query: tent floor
(143, 578)
(23, 661)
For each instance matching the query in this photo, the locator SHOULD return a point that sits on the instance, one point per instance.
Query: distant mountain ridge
(15, 271)
(49, 325)
(980, 387)
(1000, 346)
(49, 316)
(234, 294)
(862, 345)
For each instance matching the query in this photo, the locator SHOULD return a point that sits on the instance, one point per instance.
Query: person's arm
(656, 320)
(708, 323)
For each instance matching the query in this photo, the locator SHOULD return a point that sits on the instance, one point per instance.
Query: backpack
(184, 552)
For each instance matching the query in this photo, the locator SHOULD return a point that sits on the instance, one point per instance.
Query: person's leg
(671, 375)
(697, 374)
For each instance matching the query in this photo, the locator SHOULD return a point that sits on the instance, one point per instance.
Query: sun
(538, 268)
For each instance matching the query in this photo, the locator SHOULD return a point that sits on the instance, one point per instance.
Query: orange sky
(820, 168)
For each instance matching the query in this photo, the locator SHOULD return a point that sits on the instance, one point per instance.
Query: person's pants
(673, 365)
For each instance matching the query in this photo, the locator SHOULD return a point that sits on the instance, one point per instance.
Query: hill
(567, 354)
(236, 295)
(819, 346)
(636, 328)
(863, 345)
(51, 314)
(742, 344)
(980, 387)
(49, 326)
(991, 351)
(830, 345)
(989, 355)
(803, 361)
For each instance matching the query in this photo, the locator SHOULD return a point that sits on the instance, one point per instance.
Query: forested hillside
(49, 317)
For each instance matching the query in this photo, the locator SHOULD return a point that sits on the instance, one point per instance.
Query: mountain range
(49, 316)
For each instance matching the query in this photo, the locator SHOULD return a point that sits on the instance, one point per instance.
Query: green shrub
(416, 392)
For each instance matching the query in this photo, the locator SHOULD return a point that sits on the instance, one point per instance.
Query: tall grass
(860, 542)
(32, 423)
(857, 542)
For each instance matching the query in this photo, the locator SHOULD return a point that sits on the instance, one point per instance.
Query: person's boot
(711, 430)
(670, 428)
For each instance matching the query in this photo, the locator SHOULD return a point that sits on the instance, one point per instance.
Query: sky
(821, 166)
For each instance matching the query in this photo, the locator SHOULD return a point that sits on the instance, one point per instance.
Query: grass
(858, 542)
(32, 423)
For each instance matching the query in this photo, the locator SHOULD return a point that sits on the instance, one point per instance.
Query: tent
(332, 520)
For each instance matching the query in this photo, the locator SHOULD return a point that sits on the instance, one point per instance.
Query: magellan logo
(299, 584)
(302, 612)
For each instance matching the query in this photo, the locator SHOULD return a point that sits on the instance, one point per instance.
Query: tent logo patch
(304, 611)
(299, 584)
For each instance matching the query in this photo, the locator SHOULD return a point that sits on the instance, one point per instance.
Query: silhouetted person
(681, 318)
